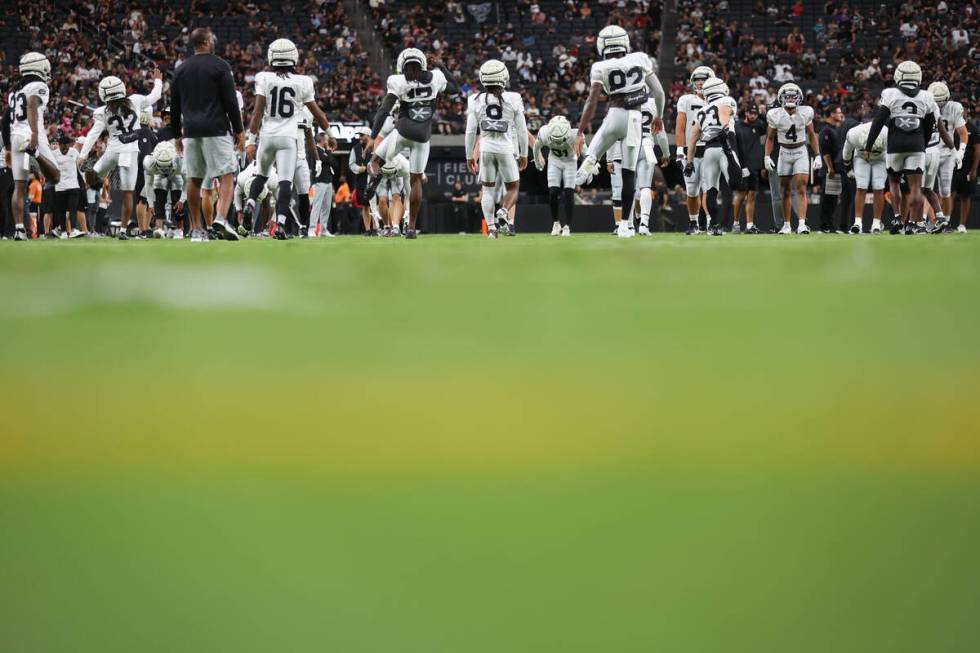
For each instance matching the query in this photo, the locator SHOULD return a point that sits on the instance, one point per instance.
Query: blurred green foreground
(535, 444)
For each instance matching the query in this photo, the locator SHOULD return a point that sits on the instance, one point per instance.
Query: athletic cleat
(692, 228)
(716, 230)
(281, 233)
(941, 226)
(752, 230)
(855, 229)
(224, 230)
(933, 228)
(242, 231)
(145, 235)
(556, 229)
(76, 233)
(896, 227)
(585, 171)
(20, 234)
(643, 230)
(875, 229)
(565, 231)
(211, 233)
(176, 234)
(492, 234)
(410, 234)
(911, 229)
(122, 235)
(826, 230)
(624, 231)
(198, 236)
(802, 228)
(786, 229)
(961, 229)
(133, 230)
(737, 228)
(51, 235)
(158, 233)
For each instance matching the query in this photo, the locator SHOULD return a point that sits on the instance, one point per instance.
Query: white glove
(317, 168)
(850, 173)
(960, 153)
(745, 173)
(770, 164)
(817, 163)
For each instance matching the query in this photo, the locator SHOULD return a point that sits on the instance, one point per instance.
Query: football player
(627, 78)
(280, 96)
(911, 114)
(23, 128)
(792, 125)
(163, 185)
(559, 137)
(395, 182)
(951, 115)
(254, 215)
(869, 174)
(687, 108)
(120, 117)
(710, 134)
(305, 159)
(415, 88)
(654, 150)
(491, 113)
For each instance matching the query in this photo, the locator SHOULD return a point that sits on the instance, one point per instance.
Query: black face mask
(909, 88)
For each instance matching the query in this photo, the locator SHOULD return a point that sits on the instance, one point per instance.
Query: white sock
(487, 204)
(749, 224)
(19, 226)
(876, 222)
(692, 218)
(646, 203)
(858, 222)
(940, 215)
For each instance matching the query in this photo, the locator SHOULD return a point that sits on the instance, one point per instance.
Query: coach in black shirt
(749, 134)
(323, 184)
(204, 113)
(836, 188)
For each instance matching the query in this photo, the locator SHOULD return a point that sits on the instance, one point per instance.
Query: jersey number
(561, 154)
(121, 126)
(18, 106)
(791, 133)
(494, 112)
(617, 78)
(282, 102)
(419, 92)
(647, 120)
(910, 107)
(712, 113)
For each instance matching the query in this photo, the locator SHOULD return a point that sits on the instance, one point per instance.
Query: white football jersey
(284, 98)
(952, 118)
(495, 120)
(304, 123)
(121, 126)
(561, 150)
(790, 127)
(689, 105)
(626, 74)
(709, 117)
(907, 111)
(417, 99)
(857, 138)
(17, 101)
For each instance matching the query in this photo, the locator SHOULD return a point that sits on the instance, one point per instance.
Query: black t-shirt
(974, 132)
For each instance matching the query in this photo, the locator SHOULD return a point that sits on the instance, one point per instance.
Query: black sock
(553, 194)
(568, 195)
(303, 204)
(712, 199)
(282, 201)
(258, 181)
(629, 190)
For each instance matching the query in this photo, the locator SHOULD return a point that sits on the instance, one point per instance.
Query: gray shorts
(209, 157)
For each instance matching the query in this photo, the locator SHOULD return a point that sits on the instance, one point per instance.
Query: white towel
(634, 129)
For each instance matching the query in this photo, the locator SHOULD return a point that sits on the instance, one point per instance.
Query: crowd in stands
(840, 53)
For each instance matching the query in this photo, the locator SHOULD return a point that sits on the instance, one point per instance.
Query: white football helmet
(165, 154)
(908, 77)
(789, 96)
(282, 52)
(612, 39)
(35, 63)
(494, 73)
(558, 130)
(699, 75)
(111, 88)
(939, 91)
(714, 88)
(407, 55)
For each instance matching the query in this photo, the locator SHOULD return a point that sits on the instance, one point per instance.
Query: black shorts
(47, 201)
(751, 182)
(962, 186)
(138, 191)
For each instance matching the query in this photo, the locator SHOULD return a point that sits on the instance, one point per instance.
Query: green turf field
(744, 444)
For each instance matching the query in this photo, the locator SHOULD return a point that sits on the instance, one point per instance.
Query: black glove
(128, 138)
(689, 169)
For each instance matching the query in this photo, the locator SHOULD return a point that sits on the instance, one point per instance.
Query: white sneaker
(876, 228)
(644, 230)
(802, 228)
(556, 229)
(198, 236)
(584, 173)
(76, 233)
(624, 231)
(177, 234)
(565, 231)
(961, 229)
(492, 233)
(786, 229)
(158, 233)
